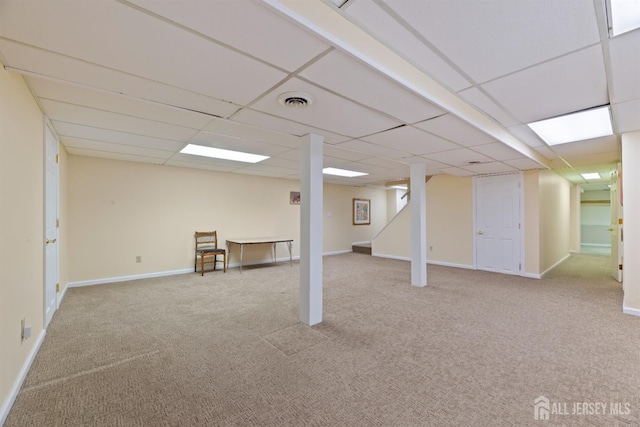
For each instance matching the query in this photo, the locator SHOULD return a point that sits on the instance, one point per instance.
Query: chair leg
(202, 265)
(224, 262)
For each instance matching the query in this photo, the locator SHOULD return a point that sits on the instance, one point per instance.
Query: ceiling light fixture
(591, 175)
(295, 99)
(219, 153)
(342, 172)
(572, 127)
(623, 16)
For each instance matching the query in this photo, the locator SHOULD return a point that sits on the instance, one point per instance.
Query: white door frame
(47, 234)
(474, 201)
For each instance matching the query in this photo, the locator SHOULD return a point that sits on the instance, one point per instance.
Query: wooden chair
(207, 247)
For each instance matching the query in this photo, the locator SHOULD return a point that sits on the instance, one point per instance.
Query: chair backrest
(206, 240)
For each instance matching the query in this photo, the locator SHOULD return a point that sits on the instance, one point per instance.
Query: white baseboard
(631, 311)
(348, 251)
(451, 264)
(531, 275)
(566, 257)
(400, 258)
(127, 278)
(11, 398)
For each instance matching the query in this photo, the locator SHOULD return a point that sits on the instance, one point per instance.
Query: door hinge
(57, 158)
(57, 287)
(619, 266)
(620, 221)
(518, 226)
(57, 222)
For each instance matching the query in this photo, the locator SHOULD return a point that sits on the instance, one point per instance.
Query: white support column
(630, 190)
(311, 229)
(418, 225)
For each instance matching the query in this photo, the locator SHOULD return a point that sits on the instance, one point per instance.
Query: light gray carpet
(471, 349)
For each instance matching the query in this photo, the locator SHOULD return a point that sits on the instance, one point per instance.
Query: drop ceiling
(139, 80)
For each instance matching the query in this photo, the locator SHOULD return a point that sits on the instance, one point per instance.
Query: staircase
(362, 248)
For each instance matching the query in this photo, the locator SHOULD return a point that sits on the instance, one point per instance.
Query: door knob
(480, 232)
(50, 241)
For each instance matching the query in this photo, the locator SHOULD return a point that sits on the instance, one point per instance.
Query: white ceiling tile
(488, 106)
(327, 112)
(114, 156)
(351, 78)
(627, 116)
(546, 152)
(524, 164)
(282, 163)
(118, 104)
(293, 155)
(625, 66)
(246, 25)
(454, 129)
(493, 167)
(87, 144)
(593, 159)
(385, 163)
(370, 17)
(564, 85)
(171, 55)
(266, 121)
(103, 119)
(457, 172)
(497, 151)
(204, 166)
(488, 39)
(83, 73)
(339, 152)
(605, 144)
(460, 157)
(526, 135)
(237, 144)
(372, 149)
(190, 158)
(431, 164)
(122, 138)
(410, 140)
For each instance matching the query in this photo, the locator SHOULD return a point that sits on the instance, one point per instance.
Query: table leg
(290, 256)
(228, 253)
(275, 258)
(241, 255)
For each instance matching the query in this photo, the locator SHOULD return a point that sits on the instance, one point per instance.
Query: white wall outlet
(25, 330)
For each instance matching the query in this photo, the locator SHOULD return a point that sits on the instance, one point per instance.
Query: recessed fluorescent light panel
(219, 153)
(574, 127)
(591, 175)
(342, 172)
(625, 16)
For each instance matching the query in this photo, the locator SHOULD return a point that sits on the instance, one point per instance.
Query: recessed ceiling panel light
(591, 175)
(625, 16)
(219, 153)
(342, 172)
(574, 127)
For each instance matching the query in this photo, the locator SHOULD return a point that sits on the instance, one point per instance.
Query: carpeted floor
(470, 349)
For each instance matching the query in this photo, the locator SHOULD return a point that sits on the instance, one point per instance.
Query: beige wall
(574, 222)
(21, 226)
(449, 224)
(555, 225)
(119, 210)
(547, 219)
(631, 225)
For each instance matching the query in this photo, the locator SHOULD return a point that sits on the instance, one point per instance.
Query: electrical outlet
(25, 330)
(138, 259)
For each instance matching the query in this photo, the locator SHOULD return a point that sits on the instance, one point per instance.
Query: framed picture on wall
(361, 211)
(294, 197)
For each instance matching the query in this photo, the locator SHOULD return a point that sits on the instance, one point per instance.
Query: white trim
(346, 251)
(531, 275)
(61, 296)
(127, 278)
(474, 225)
(400, 258)
(451, 264)
(631, 311)
(566, 257)
(522, 242)
(13, 393)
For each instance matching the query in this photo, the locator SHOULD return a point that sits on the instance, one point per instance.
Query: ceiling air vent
(474, 162)
(295, 99)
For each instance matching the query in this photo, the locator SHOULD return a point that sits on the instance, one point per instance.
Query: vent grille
(295, 99)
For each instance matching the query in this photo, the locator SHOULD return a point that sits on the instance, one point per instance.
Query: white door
(51, 225)
(616, 229)
(498, 229)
